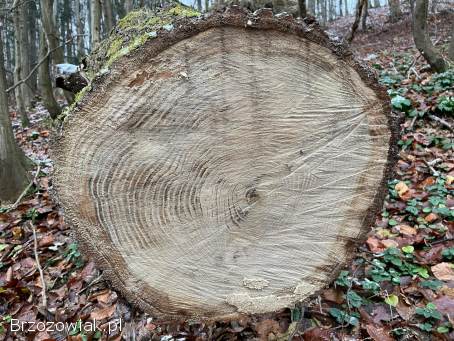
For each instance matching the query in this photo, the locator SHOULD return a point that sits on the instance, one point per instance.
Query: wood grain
(228, 173)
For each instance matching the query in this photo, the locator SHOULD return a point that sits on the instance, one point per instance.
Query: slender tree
(95, 10)
(302, 8)
(80, 29)
(364, 14)
(44, 80)
(128, 6)
(108, 15)
(13, 162)
(395, 13)
(21, 63)
(422, 39)
(359, 8)
(451, 46)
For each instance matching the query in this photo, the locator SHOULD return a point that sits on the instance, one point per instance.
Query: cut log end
(221, 169)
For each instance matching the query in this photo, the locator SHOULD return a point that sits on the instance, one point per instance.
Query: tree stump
(228, 165)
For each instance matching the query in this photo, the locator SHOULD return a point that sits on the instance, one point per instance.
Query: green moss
(137, 27)
(130, 20)
(114, 47)
(183, 11)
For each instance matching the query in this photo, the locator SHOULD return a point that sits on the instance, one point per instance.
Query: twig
(16, 203)
(441, 241)
(413, 121)
(40, 269)
(430, 164)
(93, 282)
(441, 121)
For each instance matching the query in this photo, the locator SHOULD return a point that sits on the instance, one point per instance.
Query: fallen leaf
(265, 327)
(103, 313)
(387, 243)
(401, 188)
(46, 240)
(431, 217)
(445, 304)
(378, 333)
(406, 230)
(333, 295)
(443, 272)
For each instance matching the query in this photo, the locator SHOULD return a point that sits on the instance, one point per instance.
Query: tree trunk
(364, 14)
(359, 9)
(108, 15)
(224, 181)
(21, 92)
(302, 8)
(48, 20)
(340, 8)
(44, 80)
(80, 30)
(95, 10)
(395, 12)
(346, 7)
(422, 39)
(451, 46)
(129, 5)
(377, 4)
(13, 163)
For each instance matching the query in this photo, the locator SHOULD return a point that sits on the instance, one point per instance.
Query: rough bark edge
(185, 28)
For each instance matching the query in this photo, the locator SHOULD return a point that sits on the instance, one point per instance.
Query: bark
(108, 15)
(48, 21)
(340, 8)
(302, 8)
(199, 5)
(52, 38)
(324, 12)
(95, 9)
(395, 12)
(364, 14)
(20, 93)
(359, 9)
(80, 29)
(207, 5)
(451, 46)
(422, 39)
(129, 5)
(44, 80)
(311, 7)
(13, 163)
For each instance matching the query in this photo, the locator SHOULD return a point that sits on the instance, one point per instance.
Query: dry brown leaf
(103, 313)
(333, 295)
(406, 230)
(387, 243)
(46, 240)
(431, 217)
(443, 272)
(401, 188)
(445, 304)
(265, 327)
(378, 333)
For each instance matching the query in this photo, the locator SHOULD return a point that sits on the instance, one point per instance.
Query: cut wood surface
(226, 166)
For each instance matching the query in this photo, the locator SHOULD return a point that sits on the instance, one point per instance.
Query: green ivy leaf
(354, 299)
(392, 300)
(408, 249)
(401, 103)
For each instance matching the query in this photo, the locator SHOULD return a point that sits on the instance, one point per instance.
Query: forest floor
(400, 284)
